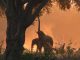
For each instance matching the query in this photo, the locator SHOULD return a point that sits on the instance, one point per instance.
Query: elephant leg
(32, 48)
(37, 49)
(40, 49)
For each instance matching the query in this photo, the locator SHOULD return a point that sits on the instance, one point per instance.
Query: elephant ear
(1, 4)
(2, 7)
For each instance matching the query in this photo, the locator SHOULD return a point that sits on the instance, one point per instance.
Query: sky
(62, 26)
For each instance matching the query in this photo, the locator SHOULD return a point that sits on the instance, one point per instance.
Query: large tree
(20, 18)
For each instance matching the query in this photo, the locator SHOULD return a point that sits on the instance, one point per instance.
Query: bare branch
(38, 9)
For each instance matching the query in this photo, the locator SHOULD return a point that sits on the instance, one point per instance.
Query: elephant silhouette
(43, 40)
(46, 43)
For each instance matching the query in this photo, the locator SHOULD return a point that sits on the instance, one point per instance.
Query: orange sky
(63, 26)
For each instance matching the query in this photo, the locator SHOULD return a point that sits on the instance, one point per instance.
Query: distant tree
(18, 19)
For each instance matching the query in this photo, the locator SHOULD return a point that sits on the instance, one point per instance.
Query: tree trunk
(17, 22)
(10, 38)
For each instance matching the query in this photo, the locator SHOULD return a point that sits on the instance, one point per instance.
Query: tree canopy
(63, 4)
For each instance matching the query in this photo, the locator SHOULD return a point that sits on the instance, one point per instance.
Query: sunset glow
(62, 26)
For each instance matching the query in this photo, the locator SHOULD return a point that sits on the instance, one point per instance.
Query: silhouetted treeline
(61, 53)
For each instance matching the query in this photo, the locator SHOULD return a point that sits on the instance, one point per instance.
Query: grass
(63, 54)
(68, 54)
(35, 56)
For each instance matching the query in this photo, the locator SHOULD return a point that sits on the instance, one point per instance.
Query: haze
(63, 26)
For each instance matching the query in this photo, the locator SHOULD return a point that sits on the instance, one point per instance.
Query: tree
(18, 19)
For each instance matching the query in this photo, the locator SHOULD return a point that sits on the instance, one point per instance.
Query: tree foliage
(77, 4)
(63, 4)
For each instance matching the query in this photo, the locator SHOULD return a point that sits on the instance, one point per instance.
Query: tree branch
(32, 17)
(38, 9)
(31, 5)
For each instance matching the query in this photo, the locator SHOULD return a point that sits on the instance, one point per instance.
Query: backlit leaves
(77, 4)
(47, 7)
(64, 4)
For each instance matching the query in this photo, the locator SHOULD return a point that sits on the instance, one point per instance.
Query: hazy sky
(63, 26)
